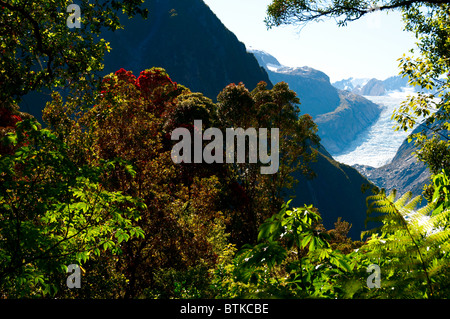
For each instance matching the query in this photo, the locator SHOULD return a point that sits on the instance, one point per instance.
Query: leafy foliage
(39, 50)
(54, 213)
(293, 258)
(180, 215)
(190, 209)
(412, 244)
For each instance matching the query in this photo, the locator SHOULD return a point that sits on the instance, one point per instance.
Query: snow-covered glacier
(378, 145)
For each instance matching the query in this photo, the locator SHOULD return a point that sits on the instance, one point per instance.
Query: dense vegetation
(96, 186)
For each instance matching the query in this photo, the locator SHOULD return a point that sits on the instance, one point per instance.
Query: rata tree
(9, 117)
(131, 121)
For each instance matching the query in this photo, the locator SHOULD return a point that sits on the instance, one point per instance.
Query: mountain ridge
(340, 115)
(198, 63)
(373, 86)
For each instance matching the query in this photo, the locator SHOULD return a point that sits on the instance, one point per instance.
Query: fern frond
(438, 266)
(441, 220)
(426, 210)
(392, 196)
(401, 203)
(418, 223)
(370, 232)
(403, 229)
(412, 204)
(439, 237)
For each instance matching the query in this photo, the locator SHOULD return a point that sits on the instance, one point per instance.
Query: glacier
(378, 145)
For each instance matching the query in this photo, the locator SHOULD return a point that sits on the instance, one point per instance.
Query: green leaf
(11, 139)
(312, 245)
(306, 240)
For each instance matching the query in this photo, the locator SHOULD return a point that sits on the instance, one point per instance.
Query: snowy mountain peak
(373, 87)
(264, 58)
(351, 83)
(270, 63)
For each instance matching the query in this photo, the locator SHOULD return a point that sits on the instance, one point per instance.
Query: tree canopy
(304, 11)
(39, 50)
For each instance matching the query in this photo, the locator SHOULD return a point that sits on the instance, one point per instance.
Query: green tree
(258, 196)
(54, 213)
(293, 258)
(38, 49)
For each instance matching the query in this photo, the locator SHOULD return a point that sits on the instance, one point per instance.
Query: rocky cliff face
(353, 115)
(372, 88)
(340, 115)
(190, 42)
(317, 95)
(405, 172)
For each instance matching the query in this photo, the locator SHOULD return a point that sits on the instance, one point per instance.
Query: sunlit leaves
(40, 51)
(429, 73)
(52, 213)
(290, 243)
(412, 242)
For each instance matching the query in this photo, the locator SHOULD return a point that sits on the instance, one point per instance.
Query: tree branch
(307, 11)
(34, 24)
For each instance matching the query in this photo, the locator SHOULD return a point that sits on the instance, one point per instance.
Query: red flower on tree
(7, 119)
(126, 76)
(157, 87)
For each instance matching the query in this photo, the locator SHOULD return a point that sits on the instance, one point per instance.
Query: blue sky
(367, 48)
